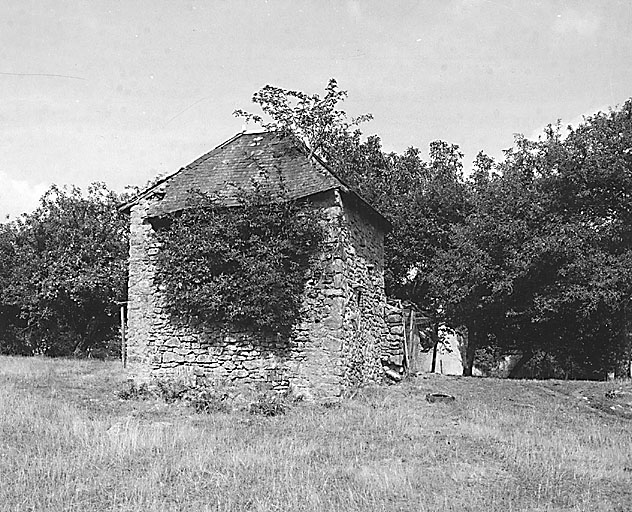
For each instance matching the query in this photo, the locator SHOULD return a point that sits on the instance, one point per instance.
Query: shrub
(244, 265)
(172, 390)
(132, 391)
(268, 403)
(208, 400)
(205, 396)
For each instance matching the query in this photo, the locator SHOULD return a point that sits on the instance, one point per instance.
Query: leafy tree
(476, 270)
(63, 269)
(591, 240)
(420, 199)
(532, 254)
(316, 121)
(245, 265)
(542, 264)
(9, 313)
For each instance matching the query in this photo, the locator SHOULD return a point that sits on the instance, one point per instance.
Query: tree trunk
(625, 366)
(470, 352)
(435, 346)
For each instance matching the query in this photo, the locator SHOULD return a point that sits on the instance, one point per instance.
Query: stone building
(339, 340)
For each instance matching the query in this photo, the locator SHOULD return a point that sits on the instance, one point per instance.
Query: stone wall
(393, 346)
(365, 299)
(338, 342)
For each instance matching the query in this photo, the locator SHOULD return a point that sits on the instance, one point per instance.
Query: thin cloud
(18, 196)
(49, 75)
(572, 22)
(185, 109)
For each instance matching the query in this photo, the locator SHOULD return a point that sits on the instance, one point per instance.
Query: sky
(123, 91)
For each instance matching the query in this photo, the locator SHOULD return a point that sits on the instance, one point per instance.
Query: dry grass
(67, 443)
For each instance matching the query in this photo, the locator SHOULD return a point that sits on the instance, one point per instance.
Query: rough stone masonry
(339, 341)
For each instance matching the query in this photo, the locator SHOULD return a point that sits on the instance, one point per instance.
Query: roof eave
(387, 225)
(127, 206)
(348, 190)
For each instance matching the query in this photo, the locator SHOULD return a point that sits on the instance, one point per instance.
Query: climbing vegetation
(245, 265)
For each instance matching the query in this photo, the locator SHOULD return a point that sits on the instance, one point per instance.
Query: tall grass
(68, 444)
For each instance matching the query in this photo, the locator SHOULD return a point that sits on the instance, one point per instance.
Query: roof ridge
(345, 185)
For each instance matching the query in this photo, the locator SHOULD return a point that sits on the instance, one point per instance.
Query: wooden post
(123, 340)
(413, 345)
(405, 361)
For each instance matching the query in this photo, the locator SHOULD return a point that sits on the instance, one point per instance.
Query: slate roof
(233, 164)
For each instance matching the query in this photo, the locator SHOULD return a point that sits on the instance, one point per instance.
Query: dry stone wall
(393, 346)
(364, 324)
(338, 342)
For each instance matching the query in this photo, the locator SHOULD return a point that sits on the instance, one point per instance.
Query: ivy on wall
(244, 265)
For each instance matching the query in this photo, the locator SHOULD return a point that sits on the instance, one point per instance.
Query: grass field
(68, 443)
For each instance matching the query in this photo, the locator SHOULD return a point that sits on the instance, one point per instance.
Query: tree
(591, 237)
(532, 253)
(542, 263)
(420, 199)
(314, 120)
(9, 313)
(63, 269)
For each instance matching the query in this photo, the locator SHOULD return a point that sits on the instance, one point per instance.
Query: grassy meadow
(68, 443)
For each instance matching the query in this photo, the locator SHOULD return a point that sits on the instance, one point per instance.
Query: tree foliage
(531, 253)
(420, 198)
(62, 269)
(316, 121)
(542, 264)
(245, 265)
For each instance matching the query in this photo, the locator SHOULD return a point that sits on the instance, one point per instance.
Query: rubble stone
(340, 341)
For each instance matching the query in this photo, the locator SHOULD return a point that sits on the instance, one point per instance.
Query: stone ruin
(344, 337)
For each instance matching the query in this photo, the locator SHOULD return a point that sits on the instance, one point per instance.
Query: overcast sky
(120, 91)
